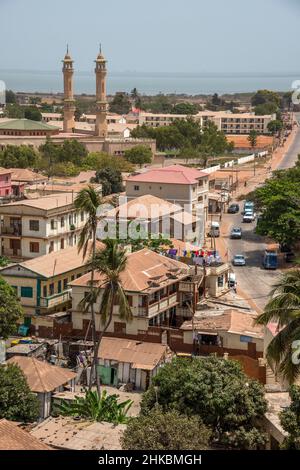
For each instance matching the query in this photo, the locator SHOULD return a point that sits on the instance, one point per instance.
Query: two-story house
(177, 184)
(149, 216)
(42, 284)
(156, 286)
(36, 227)
(5, 183)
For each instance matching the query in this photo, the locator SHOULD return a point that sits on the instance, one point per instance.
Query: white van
(214, 230)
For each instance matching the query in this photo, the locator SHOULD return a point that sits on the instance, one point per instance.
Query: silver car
(239, 260)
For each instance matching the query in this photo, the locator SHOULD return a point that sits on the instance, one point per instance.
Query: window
(34, 247)
(136, 188)
(59, 287)
(72, 277)
(51, 289)
(129, 300)
(51, 247)
(221, 281)
(27, 292)
(65, 283)
(52, 224)
(34, 225)
(45, 291)
(62, 222)
(62, 243)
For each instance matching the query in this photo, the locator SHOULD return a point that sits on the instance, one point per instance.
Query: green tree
(165, 431)
(72, 151)
(265, 96)
(10, 310)
(14, 111)
(274, 127)
(214, 389)
(65, 169)
(33, 113)
(265, 109)
(279, 202)
(188, 153)
(10, 97)
(213, 141)
(252, 139)
(185, 108)
(139, 155)
(110, 179)
(17, 402)
(290, 420)
(120, 104)
(19, 156)
(89, 201)
(284, 309)
(100, 160)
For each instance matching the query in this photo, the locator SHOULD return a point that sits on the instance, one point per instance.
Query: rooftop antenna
(67, 48)
(100, 48)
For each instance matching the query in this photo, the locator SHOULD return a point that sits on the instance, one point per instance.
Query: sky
(191, 36)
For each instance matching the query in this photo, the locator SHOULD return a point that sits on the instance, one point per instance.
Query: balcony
(56, 299)
(162, 305)
(12, 231)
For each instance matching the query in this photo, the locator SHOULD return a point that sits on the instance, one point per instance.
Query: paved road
(252, 279)
(291, 156)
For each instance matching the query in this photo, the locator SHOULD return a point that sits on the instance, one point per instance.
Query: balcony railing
(56, 299)
(14, 231)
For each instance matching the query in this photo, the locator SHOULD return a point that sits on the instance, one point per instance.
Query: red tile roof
(12, 437)
(173, 174)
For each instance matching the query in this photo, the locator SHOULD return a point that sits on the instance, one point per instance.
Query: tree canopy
(17, 402)
(120, 104)
(165, 431)
(279, 201)
(100, 160)
(290, 420)
(139, 155)
(186, 133)
(10, 310)
(215, 390)
(110, 179)
(19, 156)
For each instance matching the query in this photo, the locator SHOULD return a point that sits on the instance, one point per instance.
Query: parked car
(249, 217)
(233, 209)
(239, 260)
(236, 233)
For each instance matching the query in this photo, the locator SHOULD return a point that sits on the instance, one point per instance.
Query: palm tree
(284, 308)
(89, 201)
(110, 263)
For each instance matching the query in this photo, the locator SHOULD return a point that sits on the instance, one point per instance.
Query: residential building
(42, 283)
(177, 184)
(44, 380)
(229, 123)
(242, 123)
(155, 216)
(26, 176)
(5, 183)
(36, 227)
(47, 117)
(222, 331)
(130, 361)
(13, 437)
(155, 286)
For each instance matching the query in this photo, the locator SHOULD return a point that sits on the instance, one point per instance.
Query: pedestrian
(245, 184)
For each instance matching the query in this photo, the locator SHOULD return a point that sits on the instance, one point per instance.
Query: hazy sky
(153, 35)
